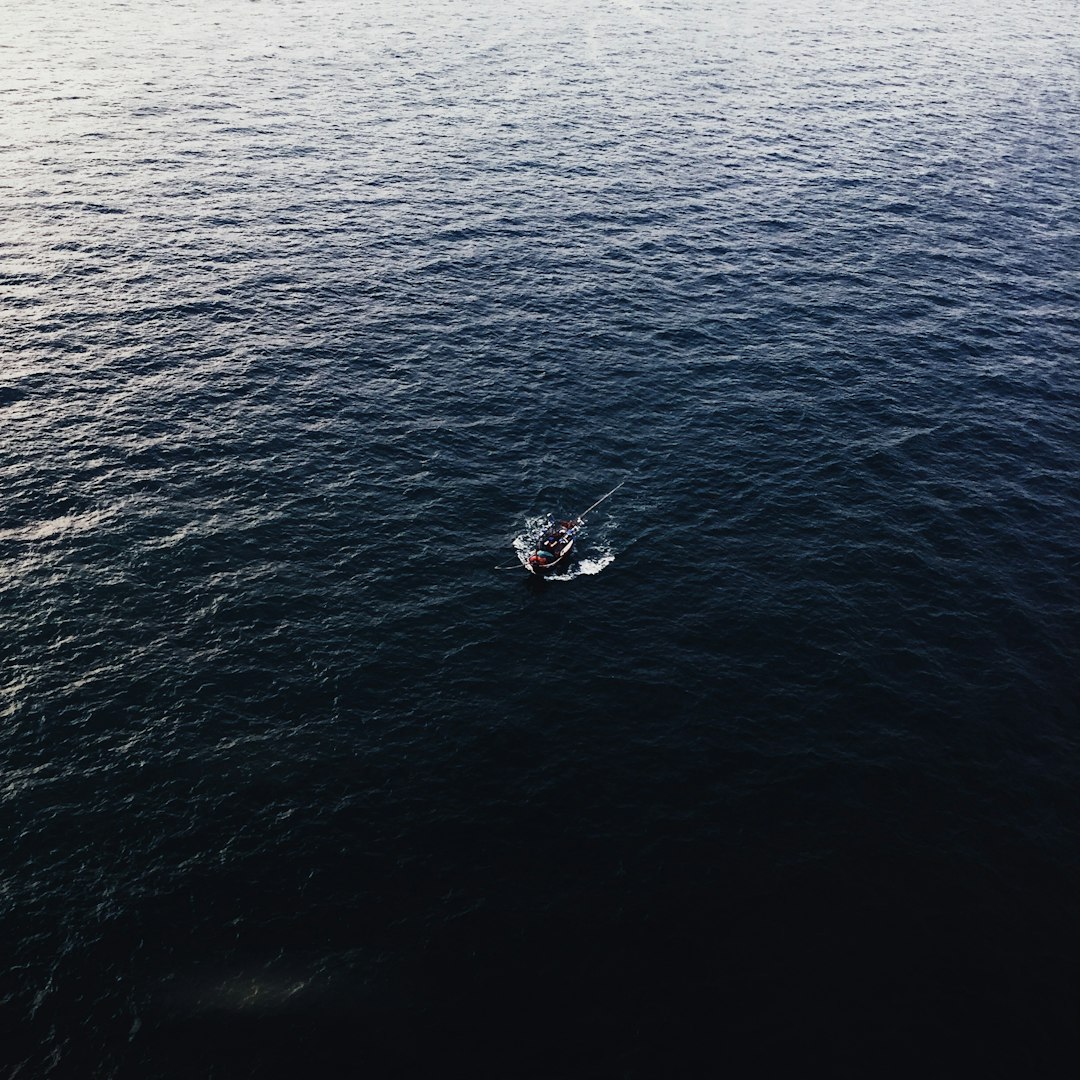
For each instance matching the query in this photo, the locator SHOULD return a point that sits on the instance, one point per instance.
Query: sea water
(309, 308)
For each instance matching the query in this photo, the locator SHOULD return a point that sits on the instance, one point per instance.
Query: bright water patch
(586, 566)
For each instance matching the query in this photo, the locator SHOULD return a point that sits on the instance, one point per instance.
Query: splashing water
(587, 567)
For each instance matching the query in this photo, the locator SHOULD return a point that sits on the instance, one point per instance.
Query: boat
(554, 545)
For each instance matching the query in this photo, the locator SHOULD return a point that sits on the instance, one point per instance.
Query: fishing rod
(581, 516)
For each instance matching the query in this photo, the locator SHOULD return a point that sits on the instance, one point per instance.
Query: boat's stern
(541, 561)
(544, 559)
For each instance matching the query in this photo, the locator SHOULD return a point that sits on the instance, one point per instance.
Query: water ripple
(311, 309)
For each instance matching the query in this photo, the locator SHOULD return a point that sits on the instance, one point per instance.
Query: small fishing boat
(554, 545)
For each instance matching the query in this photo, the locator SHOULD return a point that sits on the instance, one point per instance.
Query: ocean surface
(310, 310)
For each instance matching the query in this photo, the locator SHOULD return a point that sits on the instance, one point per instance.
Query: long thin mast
(581, 516)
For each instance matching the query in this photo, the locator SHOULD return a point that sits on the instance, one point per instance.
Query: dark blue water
(309, 309)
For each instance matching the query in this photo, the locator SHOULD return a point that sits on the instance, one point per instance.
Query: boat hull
(542, 567)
